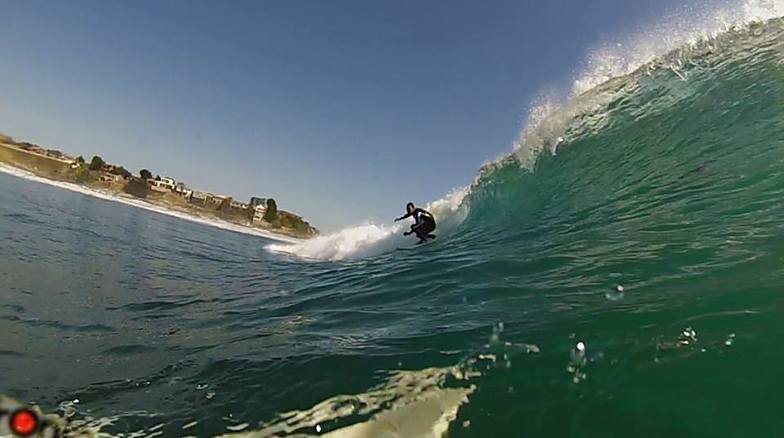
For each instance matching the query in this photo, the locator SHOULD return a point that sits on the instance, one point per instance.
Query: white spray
(373, 239)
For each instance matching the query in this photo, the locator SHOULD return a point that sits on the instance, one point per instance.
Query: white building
(258, 213)
(181, 189)
(198, 197)
(162, 185)
(239, 205)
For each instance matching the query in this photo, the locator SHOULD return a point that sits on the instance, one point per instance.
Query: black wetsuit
(424, 224)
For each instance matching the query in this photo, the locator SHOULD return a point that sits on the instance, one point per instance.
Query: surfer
(424, 223)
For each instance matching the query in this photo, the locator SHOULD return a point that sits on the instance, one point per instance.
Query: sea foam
(370, 239)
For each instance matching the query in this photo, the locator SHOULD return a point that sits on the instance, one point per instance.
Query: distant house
(162, 185)
(254, 202)
(181, 189)
(258, 213)
(108, 177)
(198, 198)
(237, 205)
(215, 200)
(158, 186)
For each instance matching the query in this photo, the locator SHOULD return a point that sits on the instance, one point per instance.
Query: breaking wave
(681, 48)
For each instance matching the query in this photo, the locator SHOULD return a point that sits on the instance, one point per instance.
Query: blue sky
(342, 110)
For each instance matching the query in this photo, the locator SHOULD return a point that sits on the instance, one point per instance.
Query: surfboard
(416, 245)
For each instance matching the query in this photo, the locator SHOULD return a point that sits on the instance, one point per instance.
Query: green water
(673, 189)
(667, 181)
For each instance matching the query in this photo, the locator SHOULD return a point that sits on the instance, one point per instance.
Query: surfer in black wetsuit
(424, 223)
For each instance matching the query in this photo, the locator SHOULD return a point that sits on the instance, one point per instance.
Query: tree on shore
(81, 175)
(271, 214)
(97, 163)
(145, 174)
(123, 172)
(80, 160)
(137, 187)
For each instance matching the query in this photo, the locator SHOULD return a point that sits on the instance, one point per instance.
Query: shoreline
(138, 203)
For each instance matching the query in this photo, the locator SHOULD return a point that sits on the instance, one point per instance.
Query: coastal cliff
(260, 213)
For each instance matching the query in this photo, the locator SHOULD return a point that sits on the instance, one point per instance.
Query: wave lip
(557, 118)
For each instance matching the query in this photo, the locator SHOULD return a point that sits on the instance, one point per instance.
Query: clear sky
(342, 110)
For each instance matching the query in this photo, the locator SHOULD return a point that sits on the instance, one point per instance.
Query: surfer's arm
(405, 216)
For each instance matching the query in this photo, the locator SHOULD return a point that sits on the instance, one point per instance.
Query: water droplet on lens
(688, 336)
(578, 353)
(616, 293)
(577, 359)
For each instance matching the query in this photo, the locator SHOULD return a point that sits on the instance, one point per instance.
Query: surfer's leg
(420, 231)
(426, 229)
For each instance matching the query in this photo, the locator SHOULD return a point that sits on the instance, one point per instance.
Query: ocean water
(665, 177)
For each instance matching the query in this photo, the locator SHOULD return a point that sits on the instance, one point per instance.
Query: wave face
(640, 217)
(687, 145)
(665, 75)
(665, 177)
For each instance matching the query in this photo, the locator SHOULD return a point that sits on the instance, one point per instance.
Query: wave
(215, 223)
(554, 119)
(610, 75)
